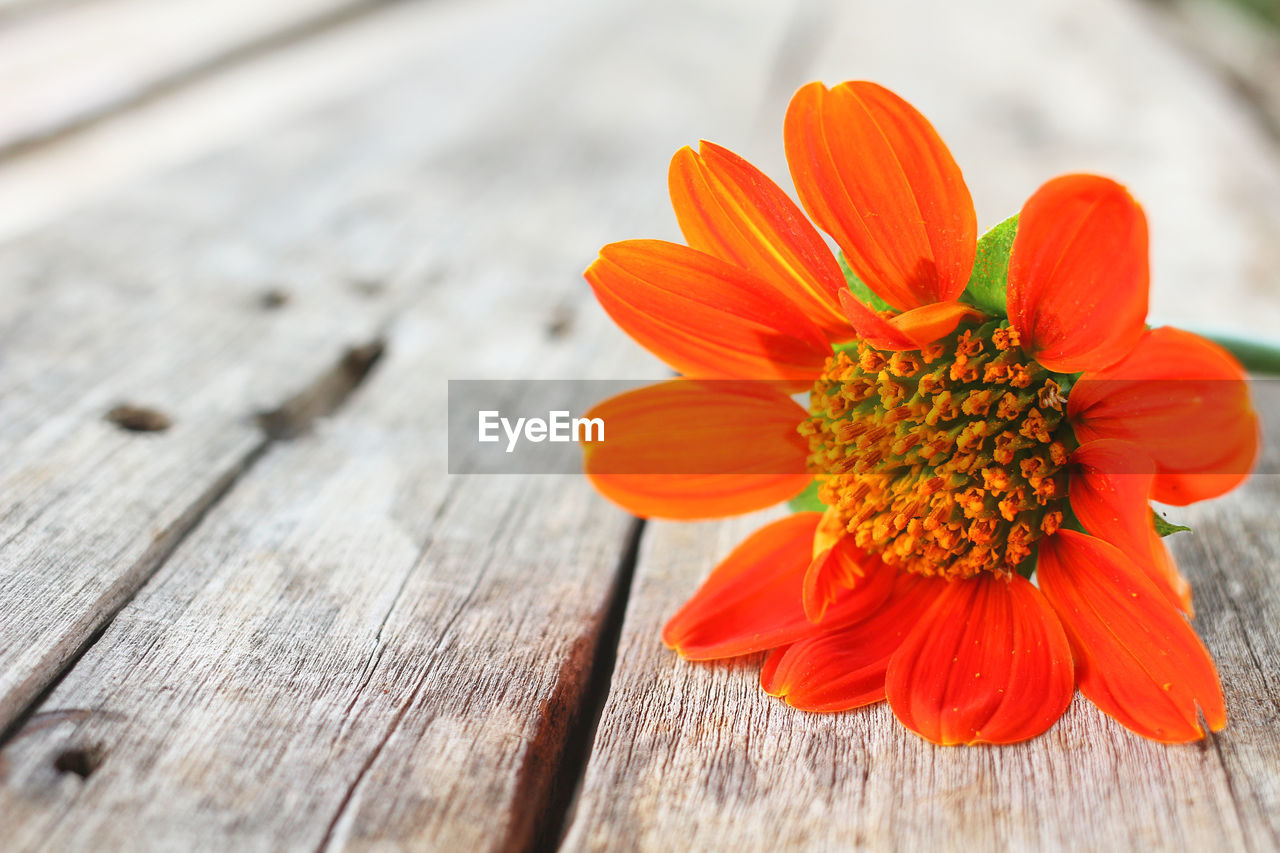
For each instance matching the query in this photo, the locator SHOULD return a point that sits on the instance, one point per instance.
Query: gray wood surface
(352, 649)
(697, 752)
(65, 66)
(298, 632)
(163, 299)
(239, 102)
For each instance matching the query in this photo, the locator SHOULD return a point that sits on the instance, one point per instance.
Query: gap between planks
(696, 751)
(662, 116)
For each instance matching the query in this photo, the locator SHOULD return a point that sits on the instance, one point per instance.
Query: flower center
(948, 461)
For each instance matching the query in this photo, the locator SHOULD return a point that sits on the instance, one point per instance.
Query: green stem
(1256, 356)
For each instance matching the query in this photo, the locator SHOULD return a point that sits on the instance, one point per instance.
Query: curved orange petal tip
(1078, 273)
(752, 600)
(1110, 490)
(730, 209)
(988, 663)
(833, 569)
(830, 530)
(845, 668)
(1137, 658)
(873, 173)
(698, 448)
(1185, 401)
(909, 330)
(704, 317)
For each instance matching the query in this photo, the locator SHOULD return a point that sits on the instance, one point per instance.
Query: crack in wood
(349, 795)
(321, 398)
(371, 666)
(1214, 740)
(564, 786)
(552, 768)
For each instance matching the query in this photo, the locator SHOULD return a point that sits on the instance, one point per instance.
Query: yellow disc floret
(948, 461)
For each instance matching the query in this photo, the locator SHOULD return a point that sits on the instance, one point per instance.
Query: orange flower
(968, 429)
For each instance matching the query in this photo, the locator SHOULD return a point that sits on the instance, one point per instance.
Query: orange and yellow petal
(1078, 274)
(988, 663)
(1185, 401)
(909, 330)
(1137, 658)
(845, 668)
(730, 209)
(705, 317)
(692, 449)
(873, 173)
(692, 497)
(752, 600)
(833, 569)
(1110, 490)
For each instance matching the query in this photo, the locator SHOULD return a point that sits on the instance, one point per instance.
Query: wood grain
(343, 647)
(697, 756)
(158, 301)
(243, 101)
(353, 649)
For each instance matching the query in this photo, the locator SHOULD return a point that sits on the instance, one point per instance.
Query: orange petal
(843, 669)
(832, 570)
(1078, 273)
(988, 663)
(1185, 401)
(752, 601)
(689, 497)
(1110, 486)
(830, 529)
(698, 448)
(909, 330)
(704, 317)
(728, 208)
(1136, 657)
(873, 174)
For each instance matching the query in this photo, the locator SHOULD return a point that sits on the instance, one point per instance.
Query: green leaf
(1163, 527)
(988, 286)
(807, 501)
(1257, 356)
(859, 287)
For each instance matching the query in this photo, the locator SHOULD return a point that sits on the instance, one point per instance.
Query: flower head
(988, 420)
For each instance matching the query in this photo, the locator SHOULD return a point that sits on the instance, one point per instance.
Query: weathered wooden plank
(69, 66)
(349, 619)
(159, 301)
(214, 111)
(695, 755)
(354, 650)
